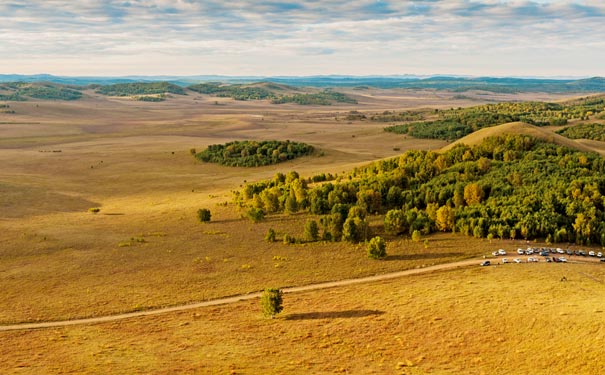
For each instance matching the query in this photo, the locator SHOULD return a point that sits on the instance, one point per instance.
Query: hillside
(522, 128)
(21, 91)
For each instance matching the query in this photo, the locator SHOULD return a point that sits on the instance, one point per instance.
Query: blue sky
(307, 37)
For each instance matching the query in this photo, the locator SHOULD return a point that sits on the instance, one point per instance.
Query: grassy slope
(517, 128)
(513, 319)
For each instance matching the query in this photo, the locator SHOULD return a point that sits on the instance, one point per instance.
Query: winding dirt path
(242, 297)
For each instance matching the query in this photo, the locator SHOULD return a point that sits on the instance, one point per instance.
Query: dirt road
(243, 297)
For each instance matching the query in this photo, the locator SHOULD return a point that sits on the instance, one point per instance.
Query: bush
(255, 214)
(311, 230)
(377, 248)
(94, 210)
(270, 236)
(204, 215)
(271, 302)
(416, 236)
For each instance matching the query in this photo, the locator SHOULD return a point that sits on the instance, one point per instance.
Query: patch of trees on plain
(140, 88)
(253, 153)
(21, 91)
(453, 124)
(326, 97)
(237, 92)
(245, 92)
(508, 187)
(585, 131)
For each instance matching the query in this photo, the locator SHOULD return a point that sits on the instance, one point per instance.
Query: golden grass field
(511, 319)
(145, 248)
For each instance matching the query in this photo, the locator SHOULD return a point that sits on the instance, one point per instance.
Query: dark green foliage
(255, 214)
(388, 116)
(585, 131)
(204, 215)
(326, 97)
(149, 98)
(270, 236)
(20, 91)
(311, 231)
(511, 186)
(456, 123)
(377, 248)
(140, 88)
(253, 153)
(271, 301)
(237, 92)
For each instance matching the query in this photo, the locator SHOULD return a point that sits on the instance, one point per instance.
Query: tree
(255, 214)
(270, 236)
(473, 194)
(416, 236)
(311, 230)
(377, 248)
(203, 214)
(445, 218)
(271, 302)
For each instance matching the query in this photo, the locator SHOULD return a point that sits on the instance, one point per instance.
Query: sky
(307, 37)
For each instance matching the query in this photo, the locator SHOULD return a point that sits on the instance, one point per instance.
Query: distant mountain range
(438, 82)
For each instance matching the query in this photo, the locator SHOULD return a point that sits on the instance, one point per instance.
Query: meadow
(145, 249)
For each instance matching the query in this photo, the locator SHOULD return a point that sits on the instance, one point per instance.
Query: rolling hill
(477, 137)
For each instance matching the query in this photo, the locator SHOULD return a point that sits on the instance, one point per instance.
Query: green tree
(377, 248)
(416, 236)
(255, 214)
(311, 230)
(204, 215)
(270, 236)
(271, 302)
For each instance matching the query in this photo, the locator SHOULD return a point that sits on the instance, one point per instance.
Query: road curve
(242, 297)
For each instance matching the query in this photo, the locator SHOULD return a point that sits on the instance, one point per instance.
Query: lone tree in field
(271, 302)
(377, 248)
(204, 215)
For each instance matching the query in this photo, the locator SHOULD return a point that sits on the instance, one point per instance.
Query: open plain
(146, 249)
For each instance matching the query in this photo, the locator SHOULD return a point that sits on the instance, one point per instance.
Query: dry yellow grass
(512, 319)
(518, 128)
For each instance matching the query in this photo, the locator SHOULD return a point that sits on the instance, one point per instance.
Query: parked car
(560, 251)
(517, 260)
(520, 251)
(504, 260)
(582, 253)
(495, 253)
(501, 252)
(602, 259)
(532, 260)
(485, 263)
(600, 254)
(569, 252)
(563, 259)
(548, 260)
(591, 253)
(529, 251)
(544, 253)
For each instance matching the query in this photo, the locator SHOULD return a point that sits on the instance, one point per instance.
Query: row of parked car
(544, 252)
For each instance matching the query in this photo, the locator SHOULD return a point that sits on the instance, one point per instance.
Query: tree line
(511, 186)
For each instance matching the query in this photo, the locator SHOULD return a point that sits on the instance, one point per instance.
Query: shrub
(94, 210)
(204, 215)
(416, 236)
(271, 302)
(255, 214)
(311, 230)
(270, 236)
(377, 248)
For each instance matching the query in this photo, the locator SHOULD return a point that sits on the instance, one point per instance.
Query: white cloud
(302, 37)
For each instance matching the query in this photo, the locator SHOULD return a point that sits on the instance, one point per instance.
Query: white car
(529, 251)
(517, 260)
(504, 260)
(520, 251)
(501, 252)
(560, 251)
(563, 259)
(591, 253)
(495, 253)
(600, 254)
(531, 259)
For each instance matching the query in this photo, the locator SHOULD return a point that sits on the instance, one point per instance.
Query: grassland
(508, 319)
(145, 249)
